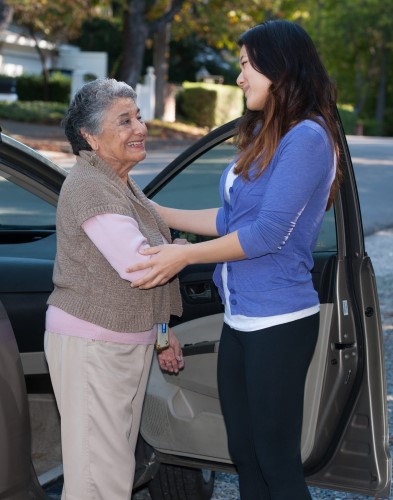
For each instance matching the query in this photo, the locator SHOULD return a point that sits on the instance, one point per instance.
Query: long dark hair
(301, 89)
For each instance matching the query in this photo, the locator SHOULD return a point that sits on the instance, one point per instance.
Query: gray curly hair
(88, 107)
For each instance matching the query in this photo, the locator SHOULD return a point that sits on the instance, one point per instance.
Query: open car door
(345, 433)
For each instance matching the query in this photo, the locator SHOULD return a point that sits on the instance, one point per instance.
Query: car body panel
(345, 435)
(18, 480)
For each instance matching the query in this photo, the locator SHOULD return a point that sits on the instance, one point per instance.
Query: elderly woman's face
(122, 140)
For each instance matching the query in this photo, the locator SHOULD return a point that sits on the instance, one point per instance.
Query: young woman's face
(254, 84)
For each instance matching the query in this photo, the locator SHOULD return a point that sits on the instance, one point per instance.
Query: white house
(18, 55)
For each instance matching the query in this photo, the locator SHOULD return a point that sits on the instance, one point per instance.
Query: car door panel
(192, 396)
(26, 282)
(355, 449)
(191, 422)
(17, 476)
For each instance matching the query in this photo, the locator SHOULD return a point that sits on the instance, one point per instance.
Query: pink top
(119, 240)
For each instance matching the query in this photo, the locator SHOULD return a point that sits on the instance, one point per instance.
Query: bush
(7, 84)
(348, 118)
(210, 104)
(31, 87)
(197, 106)
(49, 113)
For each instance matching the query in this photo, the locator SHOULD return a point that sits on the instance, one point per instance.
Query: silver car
(182, 437)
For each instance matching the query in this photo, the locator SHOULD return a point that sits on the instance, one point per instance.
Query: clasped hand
(171, 359)
(165, 262)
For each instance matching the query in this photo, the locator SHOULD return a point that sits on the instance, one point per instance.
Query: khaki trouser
(99, 389)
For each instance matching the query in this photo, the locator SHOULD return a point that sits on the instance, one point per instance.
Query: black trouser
(261, 377)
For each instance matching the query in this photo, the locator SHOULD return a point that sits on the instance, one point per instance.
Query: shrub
(49, 113)
(7, 84)
(197, 105)
(210, 104)
(31, 87)
(348, 118)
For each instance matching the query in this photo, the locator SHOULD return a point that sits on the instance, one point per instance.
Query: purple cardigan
(278, 216)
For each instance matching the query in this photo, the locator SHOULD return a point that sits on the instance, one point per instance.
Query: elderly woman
(100, 332)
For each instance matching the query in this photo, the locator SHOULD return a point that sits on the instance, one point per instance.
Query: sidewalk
(36, 136)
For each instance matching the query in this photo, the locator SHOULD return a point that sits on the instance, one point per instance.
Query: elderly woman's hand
(171, 359)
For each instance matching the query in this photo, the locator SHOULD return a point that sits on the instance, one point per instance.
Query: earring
(93, 158)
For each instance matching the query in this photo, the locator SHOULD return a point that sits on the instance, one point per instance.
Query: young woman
(274, 196)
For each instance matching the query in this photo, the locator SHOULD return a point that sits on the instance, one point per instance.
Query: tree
(102, 34)
(6, 13)
(50, 20)
(213, 22)
(355, 40)
(138, 26)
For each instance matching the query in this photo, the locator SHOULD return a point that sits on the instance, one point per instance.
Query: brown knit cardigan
(85, 285)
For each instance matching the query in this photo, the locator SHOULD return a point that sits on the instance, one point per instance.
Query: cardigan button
(233, 302)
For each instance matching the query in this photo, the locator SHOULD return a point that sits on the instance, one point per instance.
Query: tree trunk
(45, 72)
(381, 96)
(135, 33)
(6, 14)
(363, 84)
(161, 64)
(360, 89)
(136, 30)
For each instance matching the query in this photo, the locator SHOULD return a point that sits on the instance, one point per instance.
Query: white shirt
(248, 323)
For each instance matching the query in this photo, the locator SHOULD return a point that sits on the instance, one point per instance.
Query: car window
(21, 209)
(327, 241)
(196, 187)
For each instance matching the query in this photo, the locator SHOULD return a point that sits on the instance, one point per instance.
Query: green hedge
(210, 104)
(31, 88)
(49, 113)
(348, 118)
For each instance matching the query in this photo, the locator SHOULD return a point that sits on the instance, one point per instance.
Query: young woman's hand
(168, 260)
(165, 262)
(171, 359)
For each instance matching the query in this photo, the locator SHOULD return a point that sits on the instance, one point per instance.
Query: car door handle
(199, 292)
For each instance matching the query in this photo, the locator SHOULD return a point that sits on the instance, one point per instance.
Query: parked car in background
(182, 438)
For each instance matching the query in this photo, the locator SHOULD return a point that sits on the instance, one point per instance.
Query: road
(373, 164)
